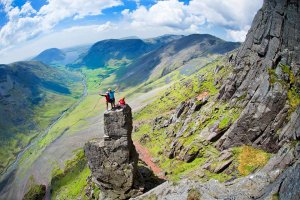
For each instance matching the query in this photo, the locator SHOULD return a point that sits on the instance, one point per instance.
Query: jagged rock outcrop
(267, 74)
(113, 159)
(279, 179)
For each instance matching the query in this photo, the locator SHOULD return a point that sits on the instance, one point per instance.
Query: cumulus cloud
(230, 13)
(25, 22)
(234, 15)
(238, 35)
(6, 4)
(107, 26)
(172, 14)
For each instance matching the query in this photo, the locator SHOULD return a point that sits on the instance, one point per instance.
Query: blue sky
(30, 26)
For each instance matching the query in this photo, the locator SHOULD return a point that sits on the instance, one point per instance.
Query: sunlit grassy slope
(63, 182)
(70, 183)
(35, 109)
(158, 142)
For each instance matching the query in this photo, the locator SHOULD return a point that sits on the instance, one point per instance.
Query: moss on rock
(36, 192)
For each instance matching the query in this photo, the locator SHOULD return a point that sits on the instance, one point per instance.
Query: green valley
(32, 106)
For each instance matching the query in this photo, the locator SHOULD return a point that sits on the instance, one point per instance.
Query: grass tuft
(250, 159)
(193, 194)
(71, 182)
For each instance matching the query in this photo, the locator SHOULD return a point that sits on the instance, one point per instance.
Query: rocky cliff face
(266, 73)
(212, 190)
(258, 105)
(113, 160)
(275, 181)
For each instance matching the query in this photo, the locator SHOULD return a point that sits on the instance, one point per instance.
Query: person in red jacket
(122, 102)
(106, 95)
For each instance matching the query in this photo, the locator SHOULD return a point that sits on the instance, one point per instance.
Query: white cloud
(172, 14)
(233, 15)
(26, 22)
(238, 35)
(107, 26)
(6, 4)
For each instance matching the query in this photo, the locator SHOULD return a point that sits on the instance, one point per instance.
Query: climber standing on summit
(106, 95)
(112, 100)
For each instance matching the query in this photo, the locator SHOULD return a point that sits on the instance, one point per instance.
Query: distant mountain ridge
(55, 56)
(140, 60)
(101, 53)
(122, 51)
(50, 55)
(174, 55)
(107, 52)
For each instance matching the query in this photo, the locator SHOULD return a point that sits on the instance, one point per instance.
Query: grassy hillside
(180, 147)
(71, 182)
(119, 51)
(189, 53)
(32, 96)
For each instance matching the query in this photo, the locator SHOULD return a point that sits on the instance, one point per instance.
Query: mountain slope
(175, 54)
(120, 51)
(50, 56)
(55, 56)
(31, 96)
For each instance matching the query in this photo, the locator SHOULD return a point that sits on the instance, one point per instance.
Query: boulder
(222, 166)
(113, 159)
(290, 187)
